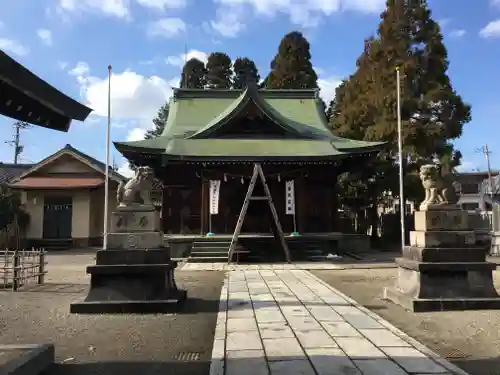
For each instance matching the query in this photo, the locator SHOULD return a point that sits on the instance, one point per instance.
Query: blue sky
(70, 43)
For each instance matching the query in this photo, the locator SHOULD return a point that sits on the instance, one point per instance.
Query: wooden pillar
(204, 205)
(165, 209)
(334, 204)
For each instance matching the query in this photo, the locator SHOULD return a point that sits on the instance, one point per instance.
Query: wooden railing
(21, 267)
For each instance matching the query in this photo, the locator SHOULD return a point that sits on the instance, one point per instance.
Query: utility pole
(16, 142)
(486, 152)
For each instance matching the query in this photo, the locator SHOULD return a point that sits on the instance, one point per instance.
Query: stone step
(212, 259)
(210, 244)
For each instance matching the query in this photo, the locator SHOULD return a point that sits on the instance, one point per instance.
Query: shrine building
(219, 135)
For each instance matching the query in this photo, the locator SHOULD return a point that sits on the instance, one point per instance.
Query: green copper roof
(195, 114)
(285, 148)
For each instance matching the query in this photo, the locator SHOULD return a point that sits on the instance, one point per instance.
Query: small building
(218, 135)
(472, 194)
(64, 196)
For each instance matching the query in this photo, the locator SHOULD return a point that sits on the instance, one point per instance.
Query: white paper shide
(290, 197)
(214, 196)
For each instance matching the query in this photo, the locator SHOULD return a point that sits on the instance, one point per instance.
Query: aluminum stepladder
(257, 172)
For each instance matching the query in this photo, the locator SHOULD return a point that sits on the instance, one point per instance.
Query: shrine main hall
(220, 135)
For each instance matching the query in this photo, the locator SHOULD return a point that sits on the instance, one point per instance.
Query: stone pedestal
(443, 269)
(135, 274)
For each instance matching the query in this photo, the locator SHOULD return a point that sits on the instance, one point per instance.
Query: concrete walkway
(289, 322)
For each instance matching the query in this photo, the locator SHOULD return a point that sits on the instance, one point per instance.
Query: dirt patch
(119, 344)
(469, 339)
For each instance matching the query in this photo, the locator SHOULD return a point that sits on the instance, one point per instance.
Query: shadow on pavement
(323, 360)
(131, 368)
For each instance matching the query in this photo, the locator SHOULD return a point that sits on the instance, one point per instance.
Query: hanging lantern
(225, 177)
(242, 181)
(279, 178)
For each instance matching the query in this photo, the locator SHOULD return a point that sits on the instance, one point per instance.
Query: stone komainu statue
(137, 190)
(439, 189)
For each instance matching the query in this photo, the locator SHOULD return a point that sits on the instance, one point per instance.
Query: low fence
(21, 267)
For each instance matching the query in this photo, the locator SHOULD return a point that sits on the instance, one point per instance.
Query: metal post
(400, 151)
(41, 267)
(106, 182)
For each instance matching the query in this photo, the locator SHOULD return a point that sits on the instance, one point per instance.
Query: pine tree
(159, 122)
(245, 71)
(219, 71)
(291, 68)
(193, 74)
(432, 113)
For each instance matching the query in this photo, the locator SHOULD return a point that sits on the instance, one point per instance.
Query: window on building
(470, 206)
(470, 189)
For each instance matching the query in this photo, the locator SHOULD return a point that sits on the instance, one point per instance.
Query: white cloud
(62, 64)
(167, 27)
(467, 166)
(163, 4)
(136, 134)
(180, 59)
(125, 170)
(491, 30)
(115, 8)
(14, 47)
(228, 21)
(45, 36)
(81, 72)
(231, 14)
(327, 87)
(133, 96)
(458, 33)
(443, 22)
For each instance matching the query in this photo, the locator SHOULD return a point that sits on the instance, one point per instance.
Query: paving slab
(275, 321)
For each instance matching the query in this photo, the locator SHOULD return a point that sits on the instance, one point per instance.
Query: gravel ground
(106, 344)
(469, 339)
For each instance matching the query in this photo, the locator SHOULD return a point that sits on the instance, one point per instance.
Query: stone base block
(495, 244)
(135, 221)
(426, 286)
(454, 239)
(22, 359)
(439, 304)
(436, 220)
(151, 256)
(131, 288)
(442, 207)
(438, 254)
(135, 241)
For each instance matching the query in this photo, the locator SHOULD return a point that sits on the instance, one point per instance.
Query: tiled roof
(27, 97)
(9, 171)
(99, 164)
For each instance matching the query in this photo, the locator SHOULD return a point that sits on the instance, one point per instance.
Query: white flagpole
(402, 206)
(106, 182)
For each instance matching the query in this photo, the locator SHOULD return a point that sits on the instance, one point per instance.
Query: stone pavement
(287, 321)
(284, 266)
